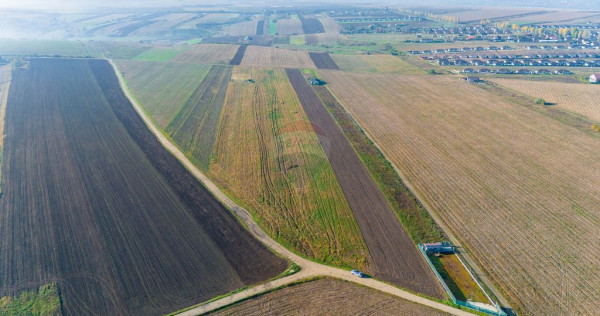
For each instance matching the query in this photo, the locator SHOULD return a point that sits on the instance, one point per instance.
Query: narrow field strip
(394, 257)
(239, 55)
(323, 61)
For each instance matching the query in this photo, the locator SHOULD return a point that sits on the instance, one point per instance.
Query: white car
(357, 273)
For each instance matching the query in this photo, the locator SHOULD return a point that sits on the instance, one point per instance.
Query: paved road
(308, 268)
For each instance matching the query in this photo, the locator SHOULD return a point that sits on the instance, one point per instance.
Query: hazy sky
(78, 5)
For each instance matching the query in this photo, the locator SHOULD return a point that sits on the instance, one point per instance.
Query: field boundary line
(308, 268)
(449, 232)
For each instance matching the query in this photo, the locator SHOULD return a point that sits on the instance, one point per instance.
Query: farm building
(438, 247)
(471, 79)
(316, 81)
(595, 78)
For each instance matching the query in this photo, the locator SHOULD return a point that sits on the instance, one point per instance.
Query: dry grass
(465, 287)
(275, 57)
(327, 297)
(241, 29)
(208, 54)
(269, 158)
(491, 13)
(375, 63)
(330, 25)
(579, 98)
(519, 190)
(289, 26)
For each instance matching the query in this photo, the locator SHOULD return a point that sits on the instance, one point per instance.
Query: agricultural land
(514, 186)
(207, 54)
(275, 57)
(326, 296)
(266, 139)
(578, 98)
(375, 64)
(87, 224)
(163, 88)
(394, 257)
(5, 77)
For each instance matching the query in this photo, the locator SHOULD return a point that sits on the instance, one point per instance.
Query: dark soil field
(260, 27)
(93, 202)
(326, 297)
(394, 257)
(195, 126)
(323, 61)
(311, 25)
(239, 55)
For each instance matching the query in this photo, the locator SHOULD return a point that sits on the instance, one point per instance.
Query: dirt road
(308, 268)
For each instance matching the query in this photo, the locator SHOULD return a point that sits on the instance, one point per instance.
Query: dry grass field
(265, 139)
(330, 25)
(375, 63)
(326, 297)
(241, 29)
(162, 88)
(555, 17)
(578, 98)
(519, 190)
(289, 26)
(207, 54)
(474, 15)
(458, 279)
(393, 255)
(5, 76)
(275, 57)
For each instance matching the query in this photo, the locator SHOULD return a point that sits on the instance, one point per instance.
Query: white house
(595, 78)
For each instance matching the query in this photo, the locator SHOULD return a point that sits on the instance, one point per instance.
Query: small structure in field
(595, 78)
(471, 79)
(438, 247)
(316, 81)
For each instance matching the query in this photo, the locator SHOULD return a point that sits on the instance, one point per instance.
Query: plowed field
(93, 202)
(323, 61)
(517, 188)
(394, 257)
(326, 297)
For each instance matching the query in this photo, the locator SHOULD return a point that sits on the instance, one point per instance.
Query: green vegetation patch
(43, 302)
(157, 54)
(195, 125)
(162, 88)
(415, 219)
(297, 40)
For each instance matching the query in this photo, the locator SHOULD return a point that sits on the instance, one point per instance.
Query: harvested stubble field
(375, 63)
(326, 297)
(5, 77)
(195, 125)
(241, 28)
(517, 188)
(265, 138)
(393, 255)
(275, 57)
(93, 202)
(323, 61)
(163, 88)
(476, 15)
(207, 54)
(578, 98)
(289, 26)
(555, 17)
(330, 25)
